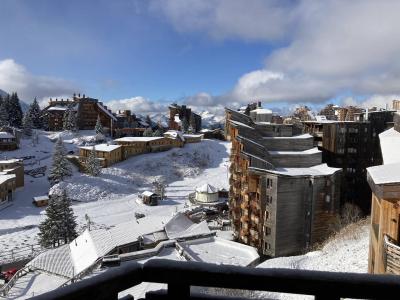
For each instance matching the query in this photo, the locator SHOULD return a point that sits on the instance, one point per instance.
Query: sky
(142, 55)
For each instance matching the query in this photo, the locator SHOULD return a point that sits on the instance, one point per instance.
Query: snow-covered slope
(111, 197)
(345, 252)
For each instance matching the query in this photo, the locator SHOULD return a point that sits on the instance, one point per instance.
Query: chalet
(87, 110)
(193, 138)
(13, 166)
(282, 198)
(150, 198)
(176, 136)
(40, 201)
(384, 180)
(179, 113)
(217, 133)
(7, 187)
(106, 153)
(8, 141)
(138, 145)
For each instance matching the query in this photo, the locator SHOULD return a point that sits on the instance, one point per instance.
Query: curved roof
(263, 111)
(207, 188)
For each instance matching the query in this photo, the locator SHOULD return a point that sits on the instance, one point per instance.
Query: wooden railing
(6, 288)
(392, 256)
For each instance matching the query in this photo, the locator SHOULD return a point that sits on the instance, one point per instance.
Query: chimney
(79, 95)
(83, 96)
(366, 114)
(259, 103)
(74, 95)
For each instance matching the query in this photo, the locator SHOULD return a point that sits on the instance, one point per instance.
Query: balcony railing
(392, 256)
(181, 276)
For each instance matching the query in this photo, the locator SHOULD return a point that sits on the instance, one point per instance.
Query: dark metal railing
(181, 276)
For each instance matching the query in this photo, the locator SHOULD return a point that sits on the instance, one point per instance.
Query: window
(267, 246)
(328, 198)
(267, 231)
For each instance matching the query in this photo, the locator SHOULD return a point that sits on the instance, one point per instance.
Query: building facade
(13, 166)
(178, 113)
(384, 180)
(87, 111)
(282, 199)
(107, 154)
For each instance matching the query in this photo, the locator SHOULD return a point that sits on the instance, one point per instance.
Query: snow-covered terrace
(102, 147)
(137, 139)
(305, 152)
(318, 170)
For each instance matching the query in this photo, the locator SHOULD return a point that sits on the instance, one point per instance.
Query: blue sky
(143, 54)
(116, 49)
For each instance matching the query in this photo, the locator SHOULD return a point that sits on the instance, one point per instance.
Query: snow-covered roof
(240, 124)
(181, 226)
(174, 134)
(187, 135)
(102, 147)
(10, 161)
(262, 111)
(207, 188)
(148, 193)
(57, 107)
(294, 137)
(6, 135)
(138, 139)
(106, 111)
(220, 251)
(5, 178)
(385, 174)
(318, 170)
(320, 118)
(177, 120)
(304, 152)
(40, 198)
(93, 244)
(390, 145)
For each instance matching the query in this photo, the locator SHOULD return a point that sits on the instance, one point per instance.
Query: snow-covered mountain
(3, 93)
(209, 120)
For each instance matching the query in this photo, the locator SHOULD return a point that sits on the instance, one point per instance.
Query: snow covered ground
(111, 198)
(347, 251)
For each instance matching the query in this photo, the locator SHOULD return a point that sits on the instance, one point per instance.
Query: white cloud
(138, 105)
(379, 101)
(228, 19)
(331, 47)
(15, 78)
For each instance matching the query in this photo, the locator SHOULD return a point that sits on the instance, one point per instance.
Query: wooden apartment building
(87, 110)
(138, 145)
(384, 247)
(177, 113)
(13, 166)
(106, 153)
(282, 199)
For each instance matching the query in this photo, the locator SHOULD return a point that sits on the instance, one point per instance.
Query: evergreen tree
(93, 166)
(185, 125)
(59, 227)
(99, 128)
(14, 110)
(3, 112)
(158, 132)
(148, 132)
(69, 120)
(68, 228)
(35, 113)
(61, 167)
(27, 124)
(49, 229)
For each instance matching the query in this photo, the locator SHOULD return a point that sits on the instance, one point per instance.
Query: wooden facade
(13, 166)
(87, 111)
(280, 213)
(183, 112)
(132, 146)
(107, 154)
(8, 141)
(7, 187)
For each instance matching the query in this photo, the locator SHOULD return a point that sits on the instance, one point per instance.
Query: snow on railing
(21, 272)
(20, 254)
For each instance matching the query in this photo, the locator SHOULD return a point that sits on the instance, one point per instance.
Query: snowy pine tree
(69, 120)
(35, 113)
(14, 110)
(61, 167)
(68, 229)
(93, 166)
(49, 229)
(59, 227)
(148, 132)
(3, 113)
(27, 124)
(99, 128)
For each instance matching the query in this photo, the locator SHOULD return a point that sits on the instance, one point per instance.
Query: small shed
(150, 198)
(206, 194)
(40, 201)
